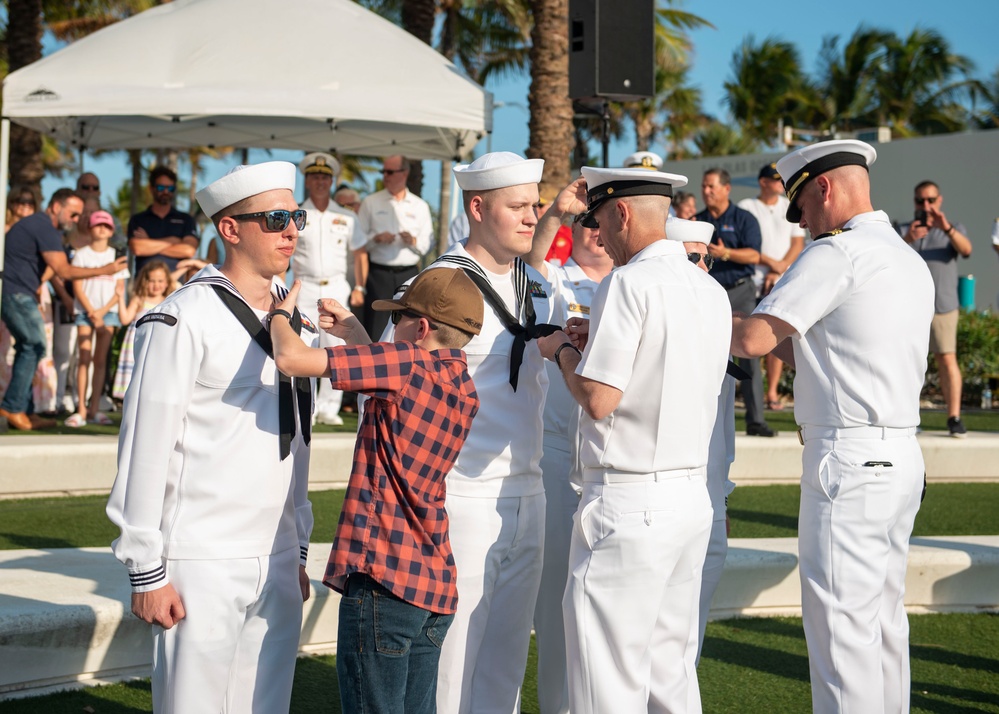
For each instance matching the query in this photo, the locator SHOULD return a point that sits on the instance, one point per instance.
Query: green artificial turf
(950, 509)
(930, 420)
(755, 512)
(748, 665)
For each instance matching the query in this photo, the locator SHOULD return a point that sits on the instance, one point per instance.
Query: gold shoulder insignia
(830, 234)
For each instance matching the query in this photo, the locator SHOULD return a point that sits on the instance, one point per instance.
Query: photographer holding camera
(939, 242)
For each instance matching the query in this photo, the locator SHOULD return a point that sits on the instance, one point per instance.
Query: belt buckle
(801, 437)
(324, 282)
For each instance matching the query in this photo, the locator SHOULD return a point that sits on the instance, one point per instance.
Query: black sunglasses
(397, 315)
(709, 260)
(392, 171)
(90, 186)
(164, 187)
(275, 221)
(24, 201)
(928, 199)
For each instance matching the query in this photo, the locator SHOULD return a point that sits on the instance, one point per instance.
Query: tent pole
(4, 167)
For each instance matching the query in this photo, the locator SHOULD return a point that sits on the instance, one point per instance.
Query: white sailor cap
(801, 166)
(602, 184)
(319, 162)
(643, 160)
(245, 181)
(498, 169)
(685, 231)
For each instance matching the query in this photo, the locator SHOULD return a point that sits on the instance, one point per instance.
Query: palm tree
(672, 49)
(718, 139)
(847, 99)
(550, 123)
(768, 86)
(921, 83)
(24, 46)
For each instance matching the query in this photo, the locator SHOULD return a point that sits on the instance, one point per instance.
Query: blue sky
(969, 26)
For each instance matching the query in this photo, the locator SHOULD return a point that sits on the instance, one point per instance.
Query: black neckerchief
(522, 333)
(231, 298)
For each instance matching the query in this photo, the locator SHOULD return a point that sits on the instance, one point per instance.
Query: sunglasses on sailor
(275, 221)
(695, 258)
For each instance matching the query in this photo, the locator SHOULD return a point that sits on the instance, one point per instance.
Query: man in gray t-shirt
(940, 242)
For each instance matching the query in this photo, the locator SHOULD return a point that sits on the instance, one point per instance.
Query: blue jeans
(387, 651)
(19, 312)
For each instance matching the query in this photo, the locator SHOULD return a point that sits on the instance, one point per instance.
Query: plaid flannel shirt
(393, 526)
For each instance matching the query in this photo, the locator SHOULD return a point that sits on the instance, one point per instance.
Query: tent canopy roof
(305, 74)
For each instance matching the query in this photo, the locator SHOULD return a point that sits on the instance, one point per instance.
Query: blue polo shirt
(23, 264)
(735, 228)
(176, 224)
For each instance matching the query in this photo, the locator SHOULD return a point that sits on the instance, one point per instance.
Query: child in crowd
(96, 318)
(391, 545)
(150, 288)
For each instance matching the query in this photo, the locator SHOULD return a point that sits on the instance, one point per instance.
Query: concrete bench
(71, 464)
(65, 619)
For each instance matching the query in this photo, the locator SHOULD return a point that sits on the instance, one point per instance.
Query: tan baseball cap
(444, 295)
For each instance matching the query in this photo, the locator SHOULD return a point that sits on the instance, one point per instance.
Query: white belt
(807, 433)
(609, 476)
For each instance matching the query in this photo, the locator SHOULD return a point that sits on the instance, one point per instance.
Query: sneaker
(956, 428)
(761, 429)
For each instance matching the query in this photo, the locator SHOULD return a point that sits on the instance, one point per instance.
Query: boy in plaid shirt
(391, 556)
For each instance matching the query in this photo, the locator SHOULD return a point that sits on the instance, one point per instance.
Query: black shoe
(761, 429)
(956, 427)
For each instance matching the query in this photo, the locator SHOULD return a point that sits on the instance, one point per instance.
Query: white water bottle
(987, 397)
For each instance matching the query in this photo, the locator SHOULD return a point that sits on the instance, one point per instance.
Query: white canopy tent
(289, 74)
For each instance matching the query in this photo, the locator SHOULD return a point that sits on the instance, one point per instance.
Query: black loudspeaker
(611, 49)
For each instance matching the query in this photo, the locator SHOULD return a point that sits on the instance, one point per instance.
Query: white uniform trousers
(328, 399)
(632, 596)
(561, 501)
(853, 541)
(711, 573)
(235, 649)
(498, 545)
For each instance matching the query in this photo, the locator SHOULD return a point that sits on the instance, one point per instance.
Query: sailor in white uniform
(212, 489)
(857, 307)
(495, 496)
(322, 261)
(695, 236)
(648, 381)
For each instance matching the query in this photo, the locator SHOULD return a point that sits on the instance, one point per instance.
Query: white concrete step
(74, 465)
(65, 619)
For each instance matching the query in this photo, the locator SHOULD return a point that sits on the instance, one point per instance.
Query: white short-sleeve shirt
(776, 231)
(861, 303)
(381, 212)
(660, 331)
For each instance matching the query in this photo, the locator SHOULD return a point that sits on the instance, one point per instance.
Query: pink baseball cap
(98, 218)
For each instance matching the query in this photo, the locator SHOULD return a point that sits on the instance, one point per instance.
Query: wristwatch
(363, 290)
(558, 352)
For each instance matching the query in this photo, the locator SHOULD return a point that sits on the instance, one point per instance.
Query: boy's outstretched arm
(292, 356)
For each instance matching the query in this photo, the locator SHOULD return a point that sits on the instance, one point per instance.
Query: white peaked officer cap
(643, 160)
(684, 231)
(245, 181)
(603, 184)
(319, 162)
(801, 166)
(498, 169)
